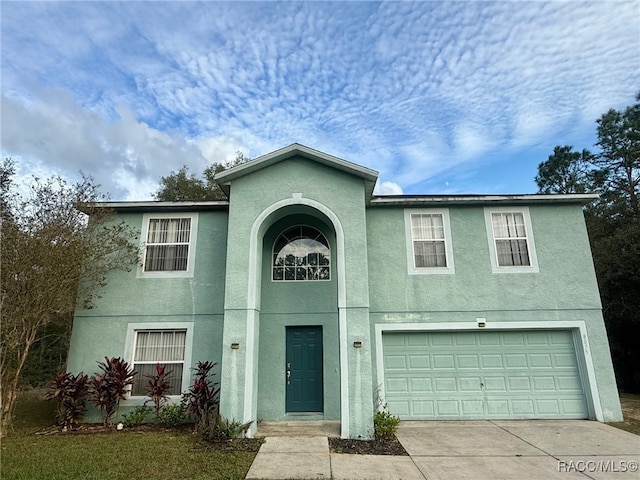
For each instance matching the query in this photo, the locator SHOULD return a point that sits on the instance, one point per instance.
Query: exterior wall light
(482, 322)
(235, 346)
(357, 344)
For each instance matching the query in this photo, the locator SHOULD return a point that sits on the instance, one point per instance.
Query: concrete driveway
(523, 449)
(480, 450)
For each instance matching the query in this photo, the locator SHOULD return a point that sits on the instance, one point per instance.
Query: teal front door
(304, 389)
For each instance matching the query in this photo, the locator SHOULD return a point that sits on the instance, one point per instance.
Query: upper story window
(429, 233)
(301, 253)
(169, 243)
(511, 243)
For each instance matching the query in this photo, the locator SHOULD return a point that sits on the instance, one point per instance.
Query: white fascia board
(418, 200)
(161, 206)
(226, 176)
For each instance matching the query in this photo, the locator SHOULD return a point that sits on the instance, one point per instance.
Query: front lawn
(157, 454)
(631, 413)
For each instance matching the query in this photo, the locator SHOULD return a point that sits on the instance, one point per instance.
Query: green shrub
(385, 425)
(203, 397)
(219, 429)
(70, 393)
(173, 415)
(111, 386)
(158, 387)
(137, 416)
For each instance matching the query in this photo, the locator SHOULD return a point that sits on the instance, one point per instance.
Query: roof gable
(225, 178)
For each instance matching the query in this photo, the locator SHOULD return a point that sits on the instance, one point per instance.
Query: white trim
(193, 240)
(531, 244)
(448, 244)
(253, 302)
(132, 328)
(426, 200)
(577, 326)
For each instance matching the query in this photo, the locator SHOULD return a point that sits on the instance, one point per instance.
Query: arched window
(301, 253)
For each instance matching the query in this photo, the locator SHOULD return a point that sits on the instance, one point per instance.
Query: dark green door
(304, 369)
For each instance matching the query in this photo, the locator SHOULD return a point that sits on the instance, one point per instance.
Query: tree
(619, 142)
(613, 223)
(56, 251)
(565, 171)
(184, 186)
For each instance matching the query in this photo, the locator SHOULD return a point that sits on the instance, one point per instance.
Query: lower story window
(166, 347)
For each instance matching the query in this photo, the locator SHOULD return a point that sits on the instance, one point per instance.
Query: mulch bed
(230, 446)
(92, 428)
(367, 447)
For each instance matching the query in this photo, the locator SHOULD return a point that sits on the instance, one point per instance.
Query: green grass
(113, 455)
(631, 413)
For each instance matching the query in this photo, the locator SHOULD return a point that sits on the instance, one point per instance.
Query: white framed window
(166, 343)
(511, 244)
(301, 253)
(429, 246)
(168, 242)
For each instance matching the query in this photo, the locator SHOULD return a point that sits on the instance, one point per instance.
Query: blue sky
(439, 97)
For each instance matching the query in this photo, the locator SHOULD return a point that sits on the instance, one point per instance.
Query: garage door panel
(419, 361)
(540, 360)
(470, 384)
(523, 408)
(445, 385)
(468, 361)
(421, 384)
(400, 408)
(564, 360)
(495, 384)
(426, 407)
(472, 407)
(492, 361)
(548, 407)
(513, 338)
(543, 384)
(447, 407)
(515, 360)
(465, 340)
(568, 384)
(474, 375)
(395, 362)
(397, 385)
(519, 384)
(443, 361)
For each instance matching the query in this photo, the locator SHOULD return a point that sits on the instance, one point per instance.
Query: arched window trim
(323, 270)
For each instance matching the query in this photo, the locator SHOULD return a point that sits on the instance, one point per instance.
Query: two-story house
(317, 299)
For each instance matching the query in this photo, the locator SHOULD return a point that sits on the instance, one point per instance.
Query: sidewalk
(465, 450)
(309, 457)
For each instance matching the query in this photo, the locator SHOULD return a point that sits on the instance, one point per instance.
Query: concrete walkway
(483, 450)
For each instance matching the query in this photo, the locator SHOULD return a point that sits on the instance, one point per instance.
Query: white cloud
(388, 188)
(412, 89)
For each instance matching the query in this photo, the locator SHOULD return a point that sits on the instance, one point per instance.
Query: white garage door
(479, 375)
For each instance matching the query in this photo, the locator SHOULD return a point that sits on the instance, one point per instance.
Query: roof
(522, 199)
(369, 177)
(225, 178)
(162, 206)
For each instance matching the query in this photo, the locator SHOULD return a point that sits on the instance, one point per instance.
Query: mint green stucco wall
(231, 298)
(296, 303)
(257, 201)
(102, 331)
(563, 256)
(564, 289)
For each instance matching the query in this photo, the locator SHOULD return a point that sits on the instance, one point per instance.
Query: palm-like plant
(111, 386)
(70, 392)
(158, 386)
